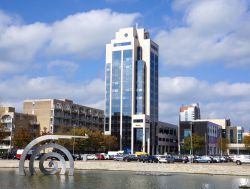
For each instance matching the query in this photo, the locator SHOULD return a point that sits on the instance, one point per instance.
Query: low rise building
(167, 138)
(57, 115)
(210, 131)
(10, 122)
(235, 138)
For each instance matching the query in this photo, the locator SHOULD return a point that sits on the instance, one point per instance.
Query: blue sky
(56, 49)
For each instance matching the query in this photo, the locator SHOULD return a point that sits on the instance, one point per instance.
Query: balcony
(57, 106)
(5, 147)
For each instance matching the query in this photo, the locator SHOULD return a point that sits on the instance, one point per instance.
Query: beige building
(55, 115)
(10, 121)
(224, 123)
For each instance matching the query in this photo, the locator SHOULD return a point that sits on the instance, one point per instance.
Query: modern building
(11, 121)
(210, 131)
(224, 123)
(190, 112)
(56, 115)
(167, 138)
(131, 95)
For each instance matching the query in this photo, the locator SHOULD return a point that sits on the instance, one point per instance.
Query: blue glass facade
(140, 87)
(121, 103)
(138, 139)
(131, 77)
(107, 105)
(116, 94)
(153, 98)
(127, 99)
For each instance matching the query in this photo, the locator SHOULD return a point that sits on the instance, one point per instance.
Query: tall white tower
(131, 95)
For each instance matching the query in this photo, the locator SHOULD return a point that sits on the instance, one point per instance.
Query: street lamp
(191, 141)
(74, 125)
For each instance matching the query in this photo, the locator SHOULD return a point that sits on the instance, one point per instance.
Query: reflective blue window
(116, 82)
(107, 105)
(140, 87)
(122, 44)
(127, 82)
(187, 133)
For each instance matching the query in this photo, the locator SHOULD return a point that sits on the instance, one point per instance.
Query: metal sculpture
(52, 164)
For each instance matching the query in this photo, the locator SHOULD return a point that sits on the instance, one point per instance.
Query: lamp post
(191, 141)
(74, 125)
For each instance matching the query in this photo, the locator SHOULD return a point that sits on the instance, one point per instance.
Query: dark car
(141, 157)
(8, 156)
(130, 158)
(183, 159)
(150, 159)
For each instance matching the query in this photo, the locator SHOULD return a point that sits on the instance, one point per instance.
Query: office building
(56, 115)
(224, 123)
(190, 112)
(11, 121)
(210, 131)
(167, 138)
(131, 94)
(235, 137)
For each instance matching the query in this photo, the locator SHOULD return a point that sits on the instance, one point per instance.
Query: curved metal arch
(37, 141)
(51, 145)
(55, 168)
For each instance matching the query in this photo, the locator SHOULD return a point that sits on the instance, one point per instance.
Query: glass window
(122, 44)
(187, 133)
(140, 87)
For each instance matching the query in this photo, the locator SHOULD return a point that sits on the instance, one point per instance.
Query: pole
(206, 142)
(220, 144)
(191, 140)
(74, 139)
(237, 144)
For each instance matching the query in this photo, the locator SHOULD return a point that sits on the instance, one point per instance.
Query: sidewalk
(214, 169)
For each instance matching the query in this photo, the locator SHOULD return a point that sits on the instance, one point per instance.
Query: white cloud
(17, 89)
(191, 89)
(217, 100)
(215, 31)
(81, 35)
(85, 34)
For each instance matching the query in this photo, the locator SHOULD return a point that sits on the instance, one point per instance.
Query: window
(138, 121)
(122, 44)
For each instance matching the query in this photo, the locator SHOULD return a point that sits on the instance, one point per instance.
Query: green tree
(197, 143)
(246, 141)
(23, 136)
(97, 141)
(223, 145)
(110, 143)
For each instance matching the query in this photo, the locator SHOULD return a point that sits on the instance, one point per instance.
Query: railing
(5, 146)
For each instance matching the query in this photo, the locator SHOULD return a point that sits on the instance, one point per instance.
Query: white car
(162, 159)
(91, 157)
(241, 159)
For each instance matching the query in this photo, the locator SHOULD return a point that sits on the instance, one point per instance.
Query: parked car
(19, 154)
(91, 157)
(150, 159)
(203, 159)
(38, 156)
(141, 157)
(100, 156)
(166, 159)
(228, 159)
(216, 159)
(119, 157)
(180, 158)
(240, 159)
(130, 157)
